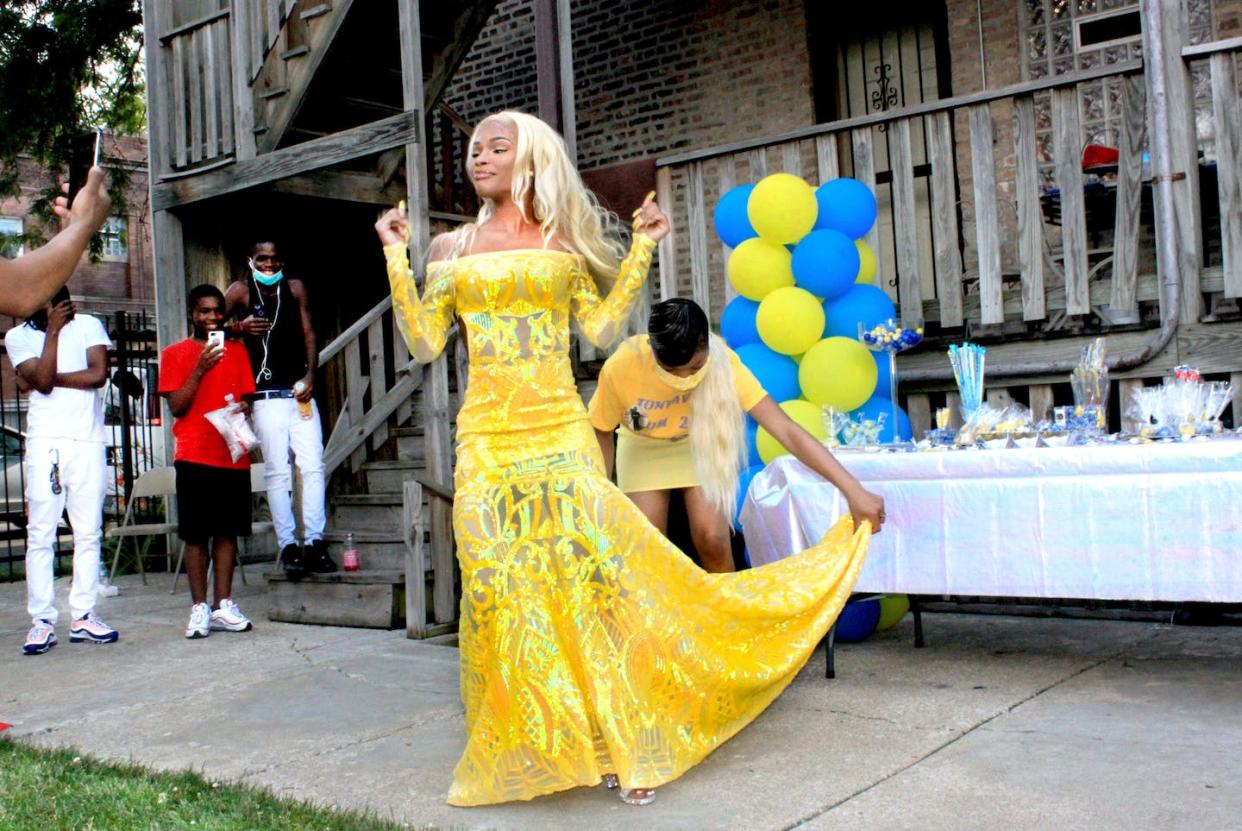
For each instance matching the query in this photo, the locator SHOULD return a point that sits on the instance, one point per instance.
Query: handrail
(356, 328)
(186, 28)
(940, 105)
(1212, 47)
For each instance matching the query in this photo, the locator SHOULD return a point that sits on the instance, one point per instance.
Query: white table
(1158, 522)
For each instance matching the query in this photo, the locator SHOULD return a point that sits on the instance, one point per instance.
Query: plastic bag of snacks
(987, 422)
(233, 427)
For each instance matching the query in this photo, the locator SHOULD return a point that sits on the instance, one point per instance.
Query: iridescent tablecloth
(1123, 522)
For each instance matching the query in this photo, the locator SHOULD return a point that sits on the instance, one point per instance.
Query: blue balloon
(845, 205)
(737, 322)
(777, 374)
(743, 484)
(825, 263)
(860, 304)
(877, 404)
(732, 224)
(858, 620)
(752, 445)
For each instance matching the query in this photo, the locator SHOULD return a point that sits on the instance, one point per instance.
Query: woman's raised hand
(650, 221)
(393, 227)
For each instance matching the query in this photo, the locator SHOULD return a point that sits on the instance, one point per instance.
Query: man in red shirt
(213, 491)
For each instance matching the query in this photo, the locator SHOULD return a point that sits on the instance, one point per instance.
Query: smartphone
(215, 338)
(83, 155)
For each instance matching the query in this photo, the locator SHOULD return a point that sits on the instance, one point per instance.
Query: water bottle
(349, 558)
(106, 589)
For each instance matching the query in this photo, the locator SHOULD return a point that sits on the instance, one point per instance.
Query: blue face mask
(266, 279)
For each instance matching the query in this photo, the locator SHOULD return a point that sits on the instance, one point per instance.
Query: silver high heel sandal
(611, 782)
(637, 796)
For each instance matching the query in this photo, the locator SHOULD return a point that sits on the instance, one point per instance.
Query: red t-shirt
(197, 440)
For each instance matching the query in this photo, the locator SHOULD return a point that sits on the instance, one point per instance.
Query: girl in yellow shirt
(676, 398)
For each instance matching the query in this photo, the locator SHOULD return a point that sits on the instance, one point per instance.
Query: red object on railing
(1097, 155)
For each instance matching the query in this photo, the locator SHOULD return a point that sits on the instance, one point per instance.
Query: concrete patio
(998, 723)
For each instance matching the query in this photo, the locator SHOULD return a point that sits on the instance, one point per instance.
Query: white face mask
(683, 384)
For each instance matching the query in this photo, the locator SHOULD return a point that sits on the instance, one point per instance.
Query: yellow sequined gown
(589, 643)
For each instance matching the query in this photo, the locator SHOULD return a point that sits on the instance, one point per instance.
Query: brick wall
(104, 287)
(653, 77)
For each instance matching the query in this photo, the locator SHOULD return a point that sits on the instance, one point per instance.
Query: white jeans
(282, 431)
(83, 482)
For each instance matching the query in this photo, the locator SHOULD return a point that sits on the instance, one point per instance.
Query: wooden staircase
(378, 495)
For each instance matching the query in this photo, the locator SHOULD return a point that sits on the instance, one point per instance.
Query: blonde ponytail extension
(718, 430)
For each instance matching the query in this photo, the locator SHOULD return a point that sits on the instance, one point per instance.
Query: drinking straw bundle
(1089, 379)
(967, 361)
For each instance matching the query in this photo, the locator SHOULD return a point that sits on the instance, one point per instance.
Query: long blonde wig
(718, 430)
(564, 208)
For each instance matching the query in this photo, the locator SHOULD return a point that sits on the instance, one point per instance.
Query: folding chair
(257, 486)
(158, 481)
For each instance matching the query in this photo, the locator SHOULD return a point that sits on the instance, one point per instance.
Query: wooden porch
(1158, 272)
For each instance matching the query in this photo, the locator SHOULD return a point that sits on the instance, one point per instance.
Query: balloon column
(795, 321)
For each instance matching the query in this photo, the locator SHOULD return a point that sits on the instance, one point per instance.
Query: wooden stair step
(273, 92)
(368, 499)
(364, 576)
(295, 52)
(316, 11)
(370, 599)
(377, 536)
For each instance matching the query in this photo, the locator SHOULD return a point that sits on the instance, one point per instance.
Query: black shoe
(291, 561)
(317, 559)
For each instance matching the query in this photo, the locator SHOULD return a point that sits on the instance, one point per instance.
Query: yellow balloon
(866, 263)
(782, 208)
(757, 267)
(790, 321)
(805, 414)
(838, 372)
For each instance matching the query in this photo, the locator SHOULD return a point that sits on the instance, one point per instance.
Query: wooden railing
(1007, 247)
(196, 91)
(379, 380)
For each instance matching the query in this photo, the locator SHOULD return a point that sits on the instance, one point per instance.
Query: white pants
(83, 482)
(283, 431)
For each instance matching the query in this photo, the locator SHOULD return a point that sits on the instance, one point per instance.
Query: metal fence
(135, 440)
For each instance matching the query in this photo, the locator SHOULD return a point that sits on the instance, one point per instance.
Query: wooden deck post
(436, 437)
(1171, 109)
(554, 69)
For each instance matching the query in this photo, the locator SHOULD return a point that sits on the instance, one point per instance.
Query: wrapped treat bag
(233, 427)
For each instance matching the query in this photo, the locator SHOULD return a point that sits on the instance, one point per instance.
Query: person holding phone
(274, 320)
(61, 360)
(28, 281)
(213, 490)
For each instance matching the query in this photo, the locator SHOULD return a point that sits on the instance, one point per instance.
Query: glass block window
(1064, 36)
(115, 234)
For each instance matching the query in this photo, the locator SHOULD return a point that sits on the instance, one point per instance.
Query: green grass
(43, 789)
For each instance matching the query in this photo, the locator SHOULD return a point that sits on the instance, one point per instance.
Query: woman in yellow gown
(590, 646)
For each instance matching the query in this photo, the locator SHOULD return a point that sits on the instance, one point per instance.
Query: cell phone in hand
(215, 339)
(83, 155)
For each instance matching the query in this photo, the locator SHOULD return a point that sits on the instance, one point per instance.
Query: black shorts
(212, 502)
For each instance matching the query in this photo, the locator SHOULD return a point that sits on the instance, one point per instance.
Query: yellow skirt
(647, 464)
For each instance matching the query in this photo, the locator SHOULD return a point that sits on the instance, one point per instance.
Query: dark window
(1098, 30)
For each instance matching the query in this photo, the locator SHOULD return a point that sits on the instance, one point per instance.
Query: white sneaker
(229, 618)
(200, 621)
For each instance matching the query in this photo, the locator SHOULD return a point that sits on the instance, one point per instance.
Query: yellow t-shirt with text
(629, 386)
